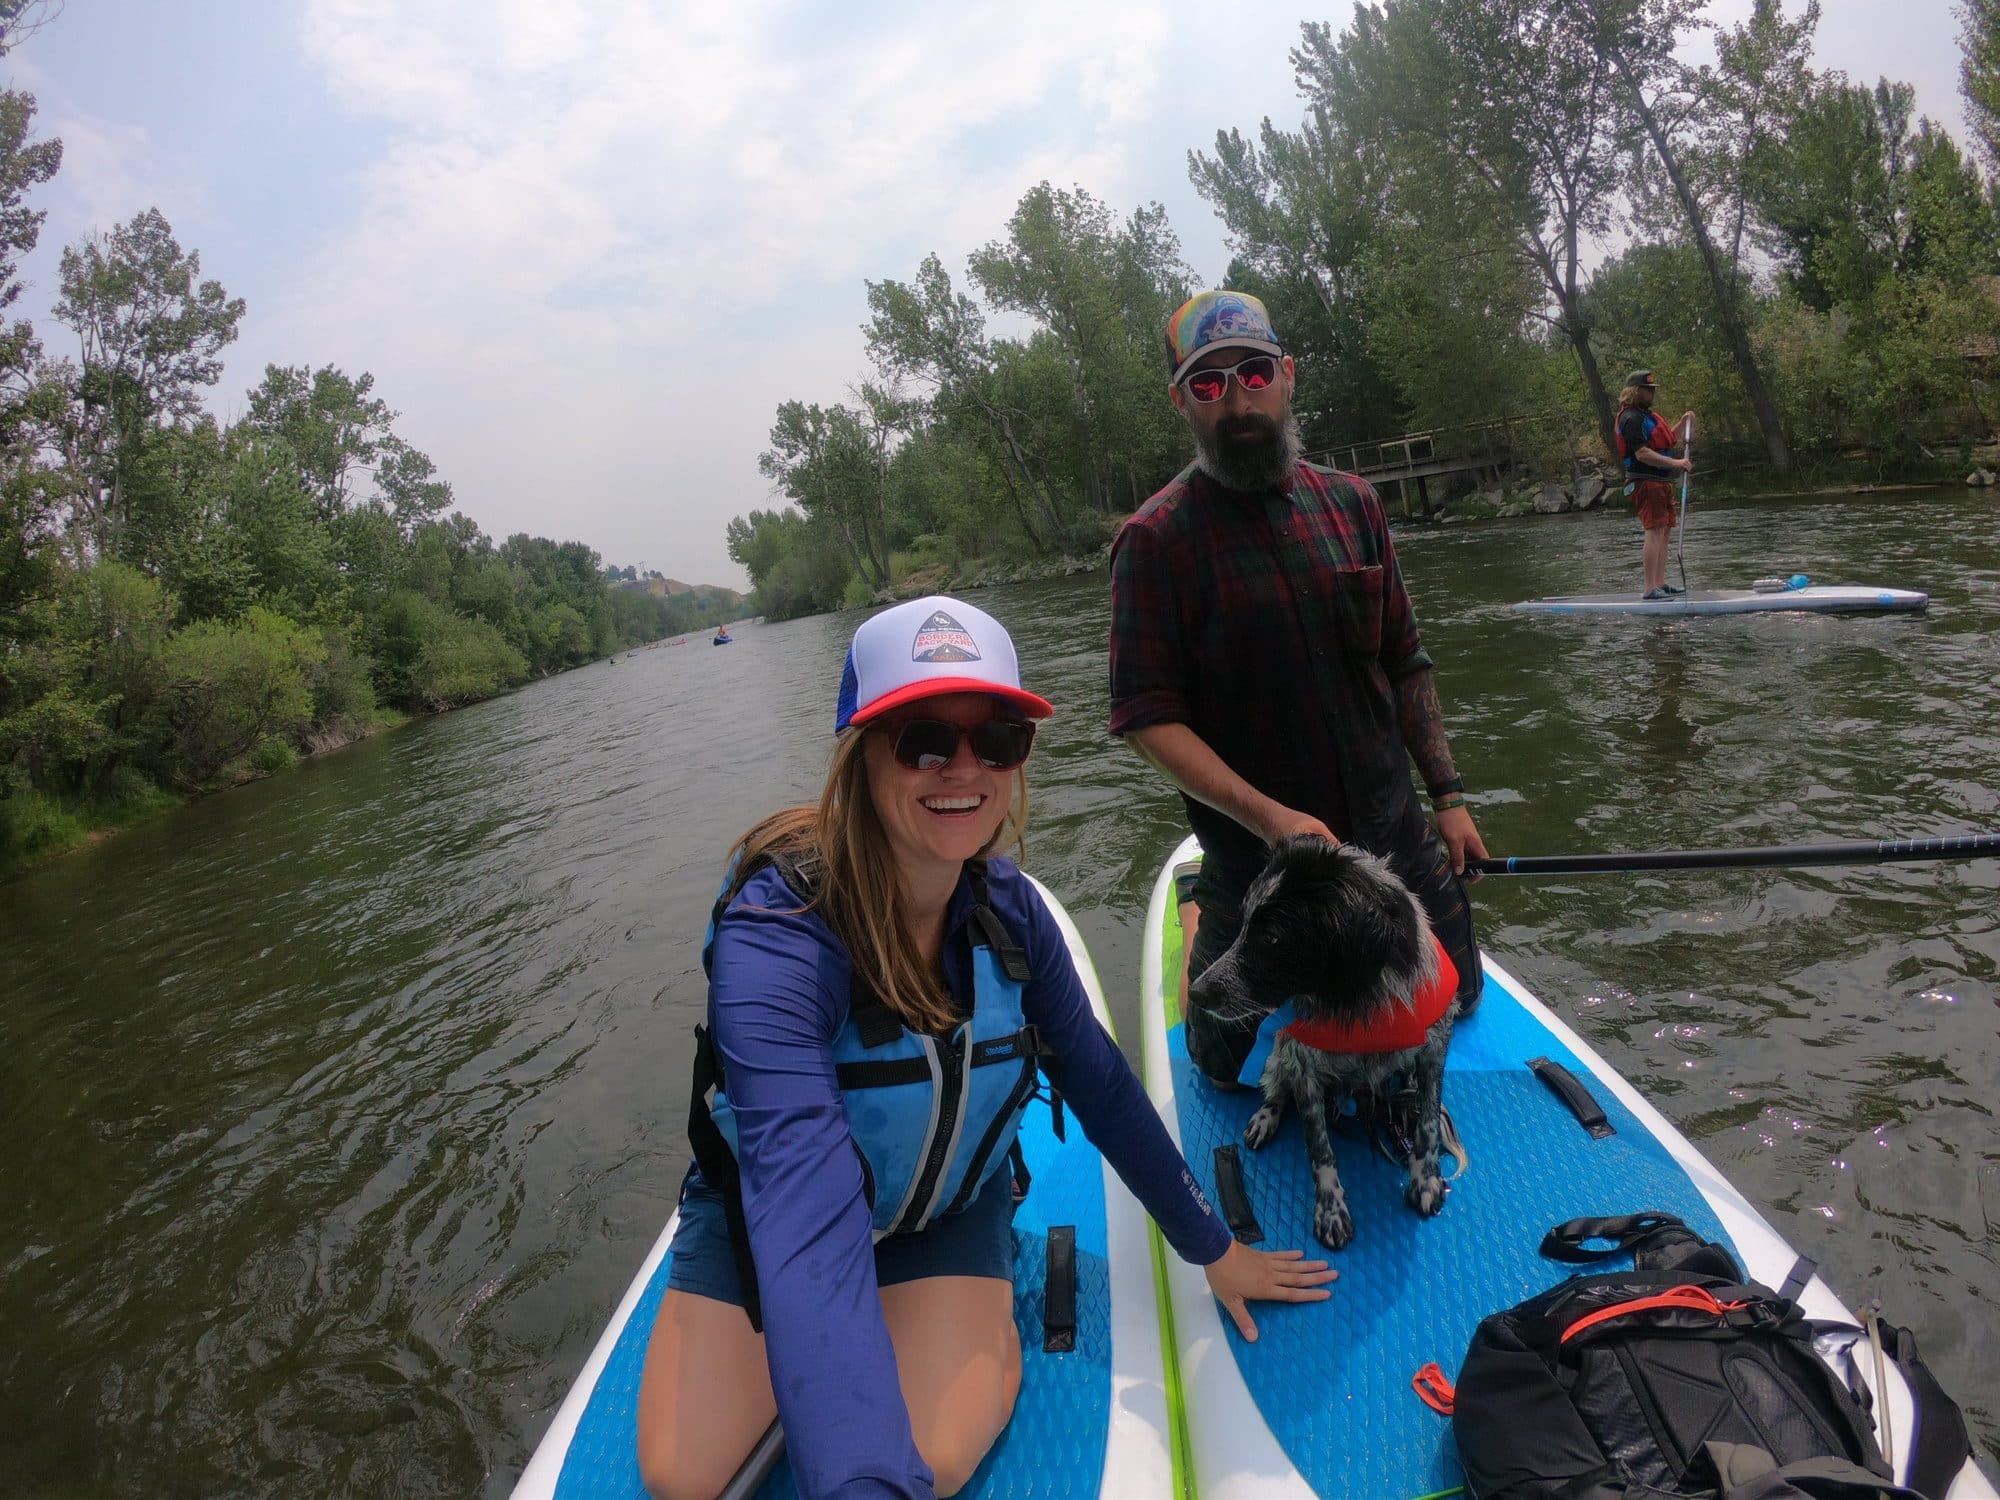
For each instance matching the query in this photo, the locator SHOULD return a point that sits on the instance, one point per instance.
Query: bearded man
(1264, 656)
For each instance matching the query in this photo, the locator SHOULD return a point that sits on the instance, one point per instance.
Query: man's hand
(1456, 828)
(1283, 822)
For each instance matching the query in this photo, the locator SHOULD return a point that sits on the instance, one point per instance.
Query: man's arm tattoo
(1422, 723)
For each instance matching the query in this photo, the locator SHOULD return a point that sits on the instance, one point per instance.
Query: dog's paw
(1333, 1225)
(1426, 1195)
(1263, 1127)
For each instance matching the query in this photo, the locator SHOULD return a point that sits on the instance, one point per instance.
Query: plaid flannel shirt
(1274, 625)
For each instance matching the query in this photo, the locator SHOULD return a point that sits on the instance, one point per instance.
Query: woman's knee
(674, 1475)
(957, 1448)
(956, 1438)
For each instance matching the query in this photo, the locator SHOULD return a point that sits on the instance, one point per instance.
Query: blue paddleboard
(1322, 1404)
(1090, 1421)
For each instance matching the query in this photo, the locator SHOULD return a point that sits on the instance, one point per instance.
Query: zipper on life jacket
(1016, 1098)
(952, 1083)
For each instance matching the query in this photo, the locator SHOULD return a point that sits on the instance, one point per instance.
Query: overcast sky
(586, 249)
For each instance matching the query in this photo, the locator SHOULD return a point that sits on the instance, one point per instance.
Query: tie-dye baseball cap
(1212, 320)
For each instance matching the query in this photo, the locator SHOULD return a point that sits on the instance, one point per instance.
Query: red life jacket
(1659, 436)
(1400, 1027)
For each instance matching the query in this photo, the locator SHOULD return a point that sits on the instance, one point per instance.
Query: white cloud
(581, 204)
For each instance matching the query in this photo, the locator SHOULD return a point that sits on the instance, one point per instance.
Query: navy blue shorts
(978, 1240)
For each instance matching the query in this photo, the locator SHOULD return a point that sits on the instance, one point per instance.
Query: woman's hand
(1244, 1276)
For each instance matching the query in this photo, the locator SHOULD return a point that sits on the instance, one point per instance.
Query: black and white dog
(1333, 931)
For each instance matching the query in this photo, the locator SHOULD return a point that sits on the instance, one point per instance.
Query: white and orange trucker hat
(924, 648)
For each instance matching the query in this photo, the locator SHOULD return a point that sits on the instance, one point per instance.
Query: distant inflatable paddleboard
(1817, 598)
(1322, 1405)
(1092, 1417)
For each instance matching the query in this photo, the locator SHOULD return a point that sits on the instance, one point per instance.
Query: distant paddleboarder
(1646, 447)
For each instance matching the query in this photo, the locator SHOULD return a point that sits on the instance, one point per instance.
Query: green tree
(924, 330)
(1493, 112)
(1859, 190)
(1103, 290)
(827, 461)
(1979, 76)
(1672, 108)
(24, 163)
(1303, 210)
(330, 423)
(149, 338)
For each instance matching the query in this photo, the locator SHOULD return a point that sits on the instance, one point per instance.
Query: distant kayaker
(852, 1196)
(1264, 656)
(1646, 446)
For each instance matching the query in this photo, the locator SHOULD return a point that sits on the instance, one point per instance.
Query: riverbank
(981, 573)
(45, 827)
(1594, 486)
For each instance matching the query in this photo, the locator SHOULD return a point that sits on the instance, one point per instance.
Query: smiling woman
(845, 1259)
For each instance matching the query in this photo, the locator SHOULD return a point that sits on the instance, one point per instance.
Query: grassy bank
(42, 827)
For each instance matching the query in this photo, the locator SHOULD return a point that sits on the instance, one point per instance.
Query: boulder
(1590, 490)
(1551, 500)
(1979, 477)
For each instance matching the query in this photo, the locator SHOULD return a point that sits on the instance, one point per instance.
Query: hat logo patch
(941, 638)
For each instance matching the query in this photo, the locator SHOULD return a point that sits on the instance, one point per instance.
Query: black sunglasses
(930, 744)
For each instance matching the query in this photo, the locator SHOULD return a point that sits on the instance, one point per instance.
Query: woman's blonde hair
(1635, 395)
(855, 886)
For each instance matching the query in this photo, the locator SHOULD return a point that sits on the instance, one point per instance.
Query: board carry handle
(1580, 1102)
(1059, 1291)
(1236, 1211)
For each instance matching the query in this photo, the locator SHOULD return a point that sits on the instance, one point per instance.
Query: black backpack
(1679, 1377)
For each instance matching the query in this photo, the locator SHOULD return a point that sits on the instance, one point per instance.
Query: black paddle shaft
(1859, 852)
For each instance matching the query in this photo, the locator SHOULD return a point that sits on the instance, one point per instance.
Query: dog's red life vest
(1400, 1027)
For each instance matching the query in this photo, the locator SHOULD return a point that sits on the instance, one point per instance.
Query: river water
(339, 1109)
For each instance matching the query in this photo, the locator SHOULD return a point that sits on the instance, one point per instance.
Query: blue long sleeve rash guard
(778, 995)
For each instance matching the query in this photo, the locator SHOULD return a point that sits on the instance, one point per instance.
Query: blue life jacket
(933, 1118)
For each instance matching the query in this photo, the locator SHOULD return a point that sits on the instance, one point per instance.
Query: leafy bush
(343, 696)
(231, 684)
(271, 755)
(32, 823)
(462, 661)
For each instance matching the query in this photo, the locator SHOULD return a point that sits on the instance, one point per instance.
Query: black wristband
(1446, 788)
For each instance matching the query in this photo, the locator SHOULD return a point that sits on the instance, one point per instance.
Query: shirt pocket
(1357, 608)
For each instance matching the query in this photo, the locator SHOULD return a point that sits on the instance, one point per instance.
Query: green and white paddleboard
(1322, 1404)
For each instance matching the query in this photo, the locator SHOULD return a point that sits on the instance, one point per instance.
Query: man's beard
(1249, 452)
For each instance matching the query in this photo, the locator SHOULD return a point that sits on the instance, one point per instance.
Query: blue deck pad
(1333, 1378)
(1053, 1447)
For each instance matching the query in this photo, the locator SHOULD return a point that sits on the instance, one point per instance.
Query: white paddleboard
(1817, 598)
